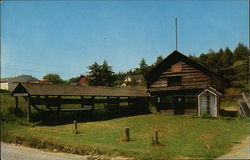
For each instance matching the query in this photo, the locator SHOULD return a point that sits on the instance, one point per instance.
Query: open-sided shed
(55, 95)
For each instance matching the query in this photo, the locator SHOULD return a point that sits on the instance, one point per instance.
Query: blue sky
(65, 37)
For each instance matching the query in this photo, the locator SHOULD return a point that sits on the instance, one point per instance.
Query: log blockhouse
(54, 96)
(176, 82)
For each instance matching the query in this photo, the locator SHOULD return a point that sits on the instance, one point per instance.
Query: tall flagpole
(176, 37)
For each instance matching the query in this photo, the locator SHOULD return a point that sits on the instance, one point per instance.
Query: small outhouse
(208, 102)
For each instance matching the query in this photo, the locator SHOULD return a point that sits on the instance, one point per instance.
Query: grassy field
(180, 136)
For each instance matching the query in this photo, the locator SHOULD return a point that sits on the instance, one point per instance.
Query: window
(174, 81)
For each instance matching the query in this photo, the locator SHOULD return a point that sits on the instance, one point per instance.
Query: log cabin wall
(217, 83)
(175, 82)
(188, 76)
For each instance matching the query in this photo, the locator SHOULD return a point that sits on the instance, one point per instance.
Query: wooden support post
(82, 101)
(46, 102)
(155, 137)
(118, 104)
(93, 107)
(59, 109)
(108, 100)
(75, 127)
(127, 135)
(16, 102)
(28, 109)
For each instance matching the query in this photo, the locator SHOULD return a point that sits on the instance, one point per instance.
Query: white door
(203, 104)
(213, 105)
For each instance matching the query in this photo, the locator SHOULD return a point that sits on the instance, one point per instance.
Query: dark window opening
(174, 81)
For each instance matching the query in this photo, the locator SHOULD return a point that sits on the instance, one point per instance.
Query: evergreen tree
(143, 69)
(241, 52)
(234, 66)
(101, 75)
(158, 60)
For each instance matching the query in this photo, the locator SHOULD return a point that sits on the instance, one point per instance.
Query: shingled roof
(67, 90)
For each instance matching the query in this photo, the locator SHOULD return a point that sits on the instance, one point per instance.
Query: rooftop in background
(20, 78)
(68, 90)
(135, 76)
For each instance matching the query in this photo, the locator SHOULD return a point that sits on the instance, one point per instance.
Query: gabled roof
(20, 78)
(69, 90)
(211, 90)
(173, 58)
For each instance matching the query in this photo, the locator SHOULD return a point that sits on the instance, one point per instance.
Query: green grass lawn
(180, 136)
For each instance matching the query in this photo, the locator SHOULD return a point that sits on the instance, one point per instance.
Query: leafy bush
(8, 111)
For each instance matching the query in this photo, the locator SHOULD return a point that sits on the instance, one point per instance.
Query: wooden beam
(118, 104)
(82, 99)
(85, 101)
(75, 127)
(127, 135)
(59, 107)
(36, 107)
(28, 109)
(246, 100)
(93, 106)
(156, 137)
(244, 108)
(21, 94)
(46, 101)
(16, 102)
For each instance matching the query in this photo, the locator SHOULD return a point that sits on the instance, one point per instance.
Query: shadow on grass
(52, 118)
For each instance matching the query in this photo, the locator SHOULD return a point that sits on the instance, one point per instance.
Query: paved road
(13, 152)
(239, 151)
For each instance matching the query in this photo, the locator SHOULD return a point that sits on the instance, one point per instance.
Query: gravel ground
(15, 152)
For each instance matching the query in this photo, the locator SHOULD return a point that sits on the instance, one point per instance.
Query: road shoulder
(239, 151)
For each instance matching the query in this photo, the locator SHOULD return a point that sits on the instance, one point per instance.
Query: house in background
(133, 79)
(10, 83)
(83, 81)
(44, 81)
(180, 85)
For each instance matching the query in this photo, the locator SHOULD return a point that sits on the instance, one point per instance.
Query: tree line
(232, 65)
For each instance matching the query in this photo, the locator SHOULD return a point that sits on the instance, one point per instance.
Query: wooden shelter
(177, 80)
(54, 96)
